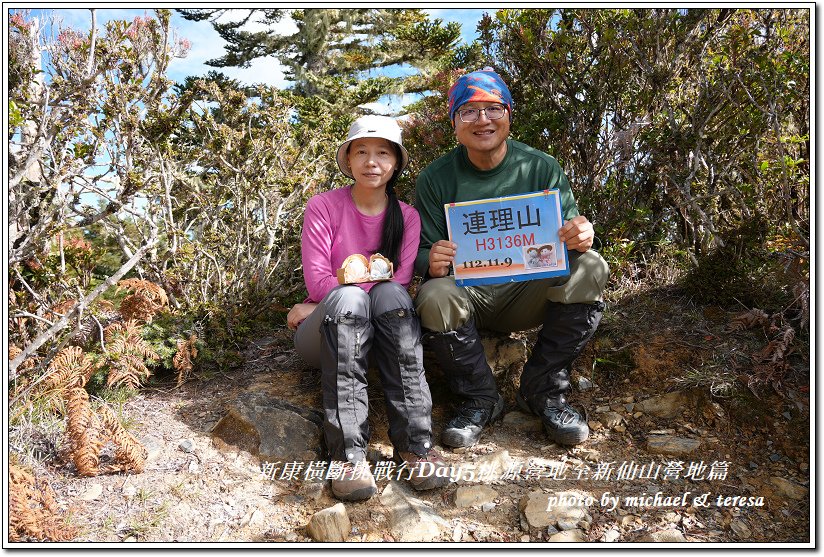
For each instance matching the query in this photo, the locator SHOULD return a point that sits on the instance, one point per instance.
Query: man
(488, 164)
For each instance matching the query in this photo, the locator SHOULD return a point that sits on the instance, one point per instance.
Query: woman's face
(544, 252)
(373, 161)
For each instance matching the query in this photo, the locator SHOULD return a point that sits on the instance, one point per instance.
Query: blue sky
(207, 44)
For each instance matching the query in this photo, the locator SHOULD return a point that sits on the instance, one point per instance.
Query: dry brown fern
(27, 364)
(83, 432)
(779, 348)
(70, 368)
(145, 301)
(127, 355)
(32, 510)
(186, 351)
(770, 365)
(748, 320)
(58, 310)
(24, 377)
(802, 296)
(130, 455)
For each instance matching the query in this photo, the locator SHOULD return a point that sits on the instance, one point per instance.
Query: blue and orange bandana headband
(480, 86)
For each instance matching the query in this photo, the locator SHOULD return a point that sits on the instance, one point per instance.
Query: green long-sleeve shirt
(452, 179)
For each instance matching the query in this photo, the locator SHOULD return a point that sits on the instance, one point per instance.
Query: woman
(340, 326)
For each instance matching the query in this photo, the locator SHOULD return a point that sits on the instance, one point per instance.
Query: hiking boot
(464, 430)
(355, 482)
(563, 424)
(425, 472)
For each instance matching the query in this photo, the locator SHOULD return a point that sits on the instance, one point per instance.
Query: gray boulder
(273, 429)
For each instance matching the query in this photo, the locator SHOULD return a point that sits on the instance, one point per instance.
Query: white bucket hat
(372, 126)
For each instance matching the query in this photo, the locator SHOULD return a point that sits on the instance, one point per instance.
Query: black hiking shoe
(563, 424)
(464, 429)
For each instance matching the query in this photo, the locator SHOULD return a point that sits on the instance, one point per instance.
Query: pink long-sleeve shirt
(334, 229)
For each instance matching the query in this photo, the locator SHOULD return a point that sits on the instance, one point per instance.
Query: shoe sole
(566, 439)
(357, 495)
(458, 441)
(432, 482)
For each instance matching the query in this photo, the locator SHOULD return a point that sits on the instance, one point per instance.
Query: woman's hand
(298, 313)
(441, 257)
(578, 233)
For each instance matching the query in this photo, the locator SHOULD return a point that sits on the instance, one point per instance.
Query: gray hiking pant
(569, 310)
(346, 328)
(515, 306)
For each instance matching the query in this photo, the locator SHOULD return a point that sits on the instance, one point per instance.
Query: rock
(671, 445)
(186, 445)
(330, 525)
(314, 491)
(590, 455)
(525, 423)
(567, 536)
(595, 425)
(628, 520)
(664, 536)
(601, 409)
(775, 457)
(490, 467)
(740, 528)
(525, 539)
(253, 518)
(611, 419)
(273, 429)
(786, 488)
(567, 525)
(611, 536)
(539, 510)
(669, 405)
(503, 352)
(474, 496)
(129, 491)
(629, 407)
(153, 445)
(620, 428)
(584, 384)
(94, 491)
(411, 520)
(487, 507)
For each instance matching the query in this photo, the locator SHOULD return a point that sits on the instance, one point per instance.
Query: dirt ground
(197, 489)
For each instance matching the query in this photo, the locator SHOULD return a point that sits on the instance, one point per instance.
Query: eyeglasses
(494, 112)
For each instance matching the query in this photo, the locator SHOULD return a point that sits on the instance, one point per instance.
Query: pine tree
(334, 52)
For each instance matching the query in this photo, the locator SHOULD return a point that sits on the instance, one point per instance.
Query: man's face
(483, 136)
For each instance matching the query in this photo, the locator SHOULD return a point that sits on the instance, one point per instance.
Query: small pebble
(187, 445)
(775, 457)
